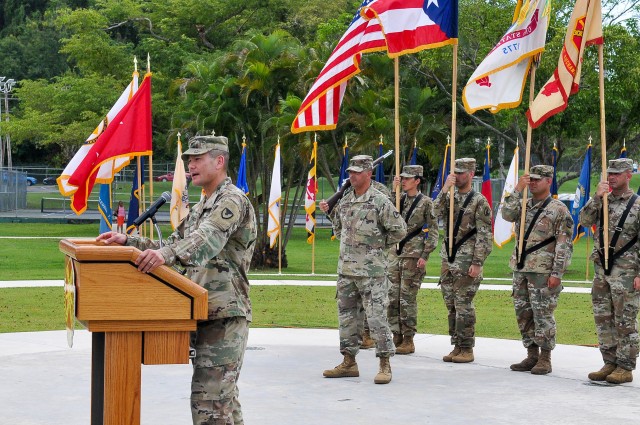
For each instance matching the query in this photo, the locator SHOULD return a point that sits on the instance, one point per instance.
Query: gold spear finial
(135, 64)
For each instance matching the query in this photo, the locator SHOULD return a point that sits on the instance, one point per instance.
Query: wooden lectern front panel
(103, 294)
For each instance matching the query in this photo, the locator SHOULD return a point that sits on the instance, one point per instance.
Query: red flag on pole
(584, 29)
(128, 135)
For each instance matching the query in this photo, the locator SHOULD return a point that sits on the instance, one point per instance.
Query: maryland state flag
(310, 197)
(128, 135)
(585, 28)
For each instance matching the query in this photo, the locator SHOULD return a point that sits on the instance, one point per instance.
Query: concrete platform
(43, 382)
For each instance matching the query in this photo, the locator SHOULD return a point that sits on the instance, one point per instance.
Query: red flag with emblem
(584, 29)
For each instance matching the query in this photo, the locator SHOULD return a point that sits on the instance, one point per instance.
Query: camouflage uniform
(458, 288)
(391, 257)
(215, 244)
(366, 225)
(615, 302)
(406, 277)
(533, 300)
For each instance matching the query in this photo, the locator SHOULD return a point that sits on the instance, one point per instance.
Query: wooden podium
(135, 318)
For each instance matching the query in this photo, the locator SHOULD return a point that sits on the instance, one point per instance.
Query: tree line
(242, 68)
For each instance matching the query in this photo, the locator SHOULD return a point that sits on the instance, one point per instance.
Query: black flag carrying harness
(613, 256)
(417, 231)
(539, 245)
(456, 245)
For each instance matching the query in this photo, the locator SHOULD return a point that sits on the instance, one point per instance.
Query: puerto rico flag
(413, 25)
(396, 26)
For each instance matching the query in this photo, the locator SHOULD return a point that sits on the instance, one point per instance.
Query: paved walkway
(259, 282)
(43, 382)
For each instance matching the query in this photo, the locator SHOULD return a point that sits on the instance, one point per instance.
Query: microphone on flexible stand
(153, 209)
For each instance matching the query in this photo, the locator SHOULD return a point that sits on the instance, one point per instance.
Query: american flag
(398, 26)
(320, 108)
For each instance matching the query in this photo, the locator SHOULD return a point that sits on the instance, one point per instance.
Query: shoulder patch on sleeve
(227, 214)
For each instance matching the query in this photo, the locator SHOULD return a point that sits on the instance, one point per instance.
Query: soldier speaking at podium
(215, 244)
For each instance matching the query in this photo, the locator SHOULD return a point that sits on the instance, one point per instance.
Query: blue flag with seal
(380, 168)
(414, 154)
(242, 170)
(582, 195)
(136, 197)
(443, 172)
(104, 207)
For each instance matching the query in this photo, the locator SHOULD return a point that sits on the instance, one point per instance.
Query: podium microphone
(153, 209)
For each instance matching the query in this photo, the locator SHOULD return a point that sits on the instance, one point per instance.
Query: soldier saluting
(538, 270)
(616, 286)
(461, 272)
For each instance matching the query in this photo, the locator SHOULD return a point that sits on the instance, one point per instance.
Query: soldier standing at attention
(616, 289)
(413, 251)
(215, 244)
(461, 272)
(367, 341)
(538, 271)
(367, 224)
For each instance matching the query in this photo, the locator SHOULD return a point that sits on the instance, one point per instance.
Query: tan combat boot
(397, 339)
(384, 374)
(465, 356)
(367, 341)
(347, 369)
(543, 366)
(449, 357)
(407, 346)
(620, 376)
(602, 374)
(527, 364)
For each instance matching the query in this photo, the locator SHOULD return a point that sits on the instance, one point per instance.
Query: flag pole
(527, 157)
(396, 72)
(280, 225)
(454, 96)
(139, 180)
(586, 276)
(150, 189)
(603, 157)
(313, 242)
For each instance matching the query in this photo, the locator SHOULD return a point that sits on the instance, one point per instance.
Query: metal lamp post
(5, 143)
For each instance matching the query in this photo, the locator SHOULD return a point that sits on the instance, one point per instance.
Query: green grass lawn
(37, 309)
(34, 309)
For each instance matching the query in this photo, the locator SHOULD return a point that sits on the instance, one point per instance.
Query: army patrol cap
(464, 165)
(411, 171)
(620, 165)
(540, 171)
(360, 163)
(203, 144)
